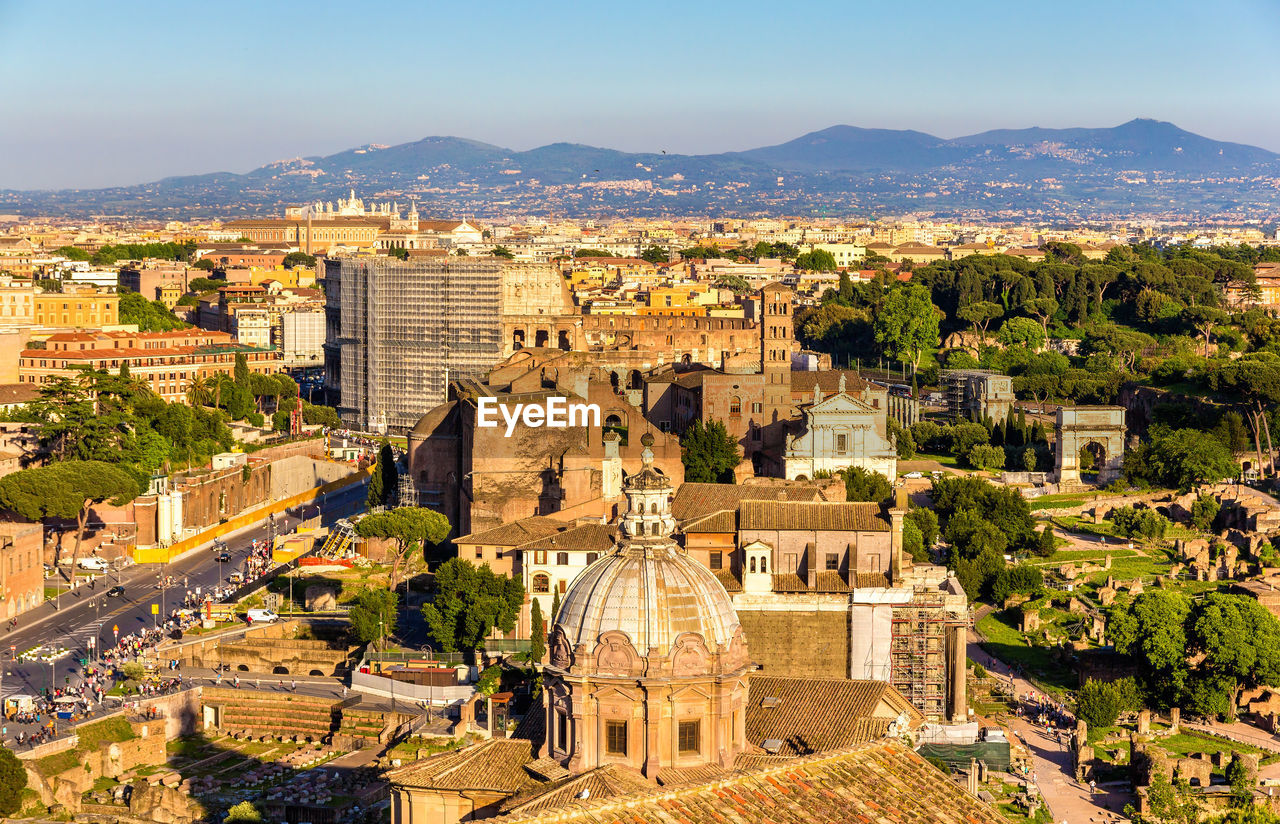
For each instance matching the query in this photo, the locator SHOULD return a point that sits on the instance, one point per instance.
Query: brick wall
(798, 644)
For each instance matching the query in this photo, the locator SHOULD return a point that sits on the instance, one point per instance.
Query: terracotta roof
(819, 714)
(879, 782)
(835, 517)
(725, 520)
(496, 765)
(609, 781)
(727, 580)
(515, 533)
(586, 537)
(694, 500)
(18, 393)
(828, 380)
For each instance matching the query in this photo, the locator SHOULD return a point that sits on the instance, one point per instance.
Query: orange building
(167, 361)
(77, 306)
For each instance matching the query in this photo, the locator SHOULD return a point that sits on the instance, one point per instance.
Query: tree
(410, 527)
(1239, 640)
(502, 252)
(67, 490)
(1180, 459)
(537, 633)
(1099, 703)
(1022, 579)
(1023, 332)
(243, 813)
(1042, 308)
(1203, 319)
(150, 316)
(913, 542)
(468, 603)
(1029, 459)
(819, 260)
(708, 453)
(1204, 512)
(979, 315)
(1256, 380)
(295, 259)
(373, 615)
(593, 253)
(655, 255)
(385, 479)
(204, 264)
(927, 522)
(907, 323)
(13, 780)
(1152, 630)
(1046, 544)
(555, 606)
(985, 456)
(864, 485)
(241, 371)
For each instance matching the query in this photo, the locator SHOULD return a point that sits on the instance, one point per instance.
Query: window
(688, 734)
(715, 560)
(842, 444)
(757, 407)
(479, 553)
(615, 737)
(539, 556)
(833, 561)
(562, 732)
(753, 564)
(735, 406)
(541, 583)
(592, 557)
(764, 563)
(562, 559)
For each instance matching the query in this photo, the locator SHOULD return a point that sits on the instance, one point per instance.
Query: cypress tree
(537, 634)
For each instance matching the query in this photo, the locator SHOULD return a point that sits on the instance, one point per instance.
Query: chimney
(897, 514)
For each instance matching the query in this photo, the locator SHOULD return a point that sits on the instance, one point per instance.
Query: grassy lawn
(110, 731)
(1185, 743)
(1064, 501)
(1005, 642)
(945, 460)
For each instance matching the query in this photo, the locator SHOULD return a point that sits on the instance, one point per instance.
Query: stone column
(959, 709)
(652, 733)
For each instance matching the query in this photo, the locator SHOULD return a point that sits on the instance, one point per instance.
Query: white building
(253, 328)
(840, 432)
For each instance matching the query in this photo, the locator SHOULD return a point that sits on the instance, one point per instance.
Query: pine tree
(537, 633)
(555, 606)
(242, 370)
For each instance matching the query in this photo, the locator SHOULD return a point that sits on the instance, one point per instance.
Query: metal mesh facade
(404, 328)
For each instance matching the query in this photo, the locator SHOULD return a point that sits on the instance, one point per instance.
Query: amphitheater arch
(1101, 429)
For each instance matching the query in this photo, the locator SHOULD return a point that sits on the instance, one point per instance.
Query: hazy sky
(101, 93)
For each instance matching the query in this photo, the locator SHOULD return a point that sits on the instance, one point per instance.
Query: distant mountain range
(1140, 168)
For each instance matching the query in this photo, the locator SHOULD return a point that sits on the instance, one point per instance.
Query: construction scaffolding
(918, 653)
(405, 328)
(341, 541)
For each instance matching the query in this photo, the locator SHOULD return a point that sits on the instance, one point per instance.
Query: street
(85, 613)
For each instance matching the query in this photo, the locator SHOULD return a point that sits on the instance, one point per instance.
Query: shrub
(1204, 512)
(1132, 522)
(985, 456)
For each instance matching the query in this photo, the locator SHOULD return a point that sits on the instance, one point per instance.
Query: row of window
(688, 737)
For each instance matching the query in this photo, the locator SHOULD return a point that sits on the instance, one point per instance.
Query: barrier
(163, 555)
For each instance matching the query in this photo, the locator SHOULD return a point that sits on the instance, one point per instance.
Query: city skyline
(201, 94)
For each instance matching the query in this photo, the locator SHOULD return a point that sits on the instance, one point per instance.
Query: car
(224, 556)
(116, 591)
(262, 616)
(94, 563)
(913, 475)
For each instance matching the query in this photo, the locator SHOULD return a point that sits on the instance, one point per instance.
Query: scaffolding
(406, 328)
(965, 391)
(341, 541)
(918, 653)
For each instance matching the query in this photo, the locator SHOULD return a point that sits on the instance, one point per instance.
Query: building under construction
(977, 394)
(397, 331)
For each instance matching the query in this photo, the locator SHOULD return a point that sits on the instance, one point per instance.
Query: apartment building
(167, 361)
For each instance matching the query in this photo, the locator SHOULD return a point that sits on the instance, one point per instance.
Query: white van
(94, 563)
(262, 616)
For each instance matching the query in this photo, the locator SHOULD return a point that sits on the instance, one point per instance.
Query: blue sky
(124, 92)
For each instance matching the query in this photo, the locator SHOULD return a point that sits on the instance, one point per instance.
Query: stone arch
(1078, 426)
(316, 672)
(242, 668)
(280, 671)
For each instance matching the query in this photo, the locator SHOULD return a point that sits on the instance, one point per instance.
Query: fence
(369, 683)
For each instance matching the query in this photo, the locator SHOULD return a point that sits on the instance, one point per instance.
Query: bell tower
(776, 325)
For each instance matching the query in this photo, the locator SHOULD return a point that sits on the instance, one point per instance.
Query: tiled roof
(18, 393)
(829, 380)
(880, 782)
(694, 500)
(609, 781)
(516, 532)
(727, 580)
(496, 765)
(834, 517)
(726, 520)
(820, 714)
(588, 537)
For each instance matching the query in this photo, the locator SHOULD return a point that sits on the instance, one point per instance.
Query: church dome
(648, 587)
(654, 594)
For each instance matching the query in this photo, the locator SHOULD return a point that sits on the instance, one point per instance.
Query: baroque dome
(654, 594)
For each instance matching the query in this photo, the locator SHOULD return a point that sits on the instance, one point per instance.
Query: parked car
(94, 563)
(116, 591)
(913, 475)
(262, 616)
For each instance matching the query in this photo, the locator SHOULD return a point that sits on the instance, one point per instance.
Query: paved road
(90, 613)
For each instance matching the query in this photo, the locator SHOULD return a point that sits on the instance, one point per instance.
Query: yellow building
(77, 306)
(292, 278)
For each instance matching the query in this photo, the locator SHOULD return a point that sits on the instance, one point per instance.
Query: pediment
(840, 402)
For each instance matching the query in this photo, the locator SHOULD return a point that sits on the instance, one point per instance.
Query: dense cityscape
(920, 474)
